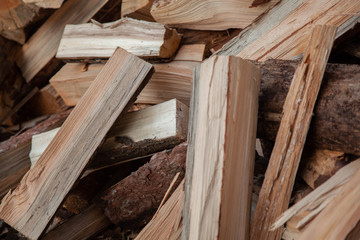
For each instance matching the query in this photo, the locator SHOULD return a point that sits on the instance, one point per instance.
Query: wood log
(207, 15)
(17, 35)
(98, 41)
(46, 3)
(222, 152)
(137, 9)
(167, 223)
(280, 175)
(282, 32)
(42, 46)
(33, 203)
(340, 217)
(136, 198)
(14, 153)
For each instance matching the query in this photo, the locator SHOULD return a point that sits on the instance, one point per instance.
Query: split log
(207, 15)
(42, 46)
(166, 224)
(17, 35)
(33, 203)
(46, 3)
(98, 41)
(14, 153)
(282, 32)
(137, 9)
(340, 217)
(221, 149)
(280, 175)
(136, 198)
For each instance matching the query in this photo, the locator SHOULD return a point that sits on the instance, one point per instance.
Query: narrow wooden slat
(222, 138)
(32, 204)
(276, 190)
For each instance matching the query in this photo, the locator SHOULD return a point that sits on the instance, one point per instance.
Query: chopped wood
(190, 52)
(137, 197)
(207, 15)
(168, 220)
(314, 202)
(17, 35)
(32, 204)
(222, 133)
(282, 32)
(42, 46)
(93, 41)
(276, 190)
(137, 9)
(340, 216)
(46, 3)
(82, 226)
(320, 166)
(39, 143)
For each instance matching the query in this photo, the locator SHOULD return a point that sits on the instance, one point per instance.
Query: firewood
(98, 41)
(170, 80)
(276, 190)
(207, 15)
(17, 35)
(42, 46)
(167, 222)
(44, 187)
(137, 197)
(340, 217)
(46, 3)
(221, 149)
(281, 33)
(137, 9)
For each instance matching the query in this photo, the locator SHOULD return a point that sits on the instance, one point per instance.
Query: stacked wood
(137, 9)
(221, 152)
(46, 3)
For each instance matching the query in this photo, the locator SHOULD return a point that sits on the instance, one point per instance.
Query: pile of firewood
(179, 119)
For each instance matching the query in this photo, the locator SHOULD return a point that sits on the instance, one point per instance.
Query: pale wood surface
(137, 9)
(167, 221)
(314, 201)
(207, 15)
(17, 35)
(222, 135)
(46, 3)
(191, 52)
(339, 217)
(281, 34)
(279, 179)
(42, 46)
(92, 41)
(33, 203)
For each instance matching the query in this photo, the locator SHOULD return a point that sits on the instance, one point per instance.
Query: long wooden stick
(280, 175)
(33, 203)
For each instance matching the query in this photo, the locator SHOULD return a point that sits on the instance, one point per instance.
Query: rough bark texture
(336, 120)
(137, 197)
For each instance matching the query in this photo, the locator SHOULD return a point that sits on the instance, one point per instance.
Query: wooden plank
(97, 41)
(276, 190)
(216, 15)
(340, 216)
(137, 9)
(32, 204)
(222, 152)
(168, 220)
(81, 226)
(281, 33)
(42, 46)
(46, 3)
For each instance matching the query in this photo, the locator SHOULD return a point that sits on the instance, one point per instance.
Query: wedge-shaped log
(46, 3)
(137, 9)
(42, 46)
(280, 175)
(207, 14)
(32, 204)
(221, 139)
(96, 41)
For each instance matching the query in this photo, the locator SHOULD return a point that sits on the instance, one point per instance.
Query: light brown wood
(170, 80)
(94, 41)
(81, 226)
(279, 179)
(168, 220)
(137, 9)
(46, 3)
(340, 216)
(317, 200)
(17, 35)
(42, 46)
(33, 203)
(222, 138)
(207, 15)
